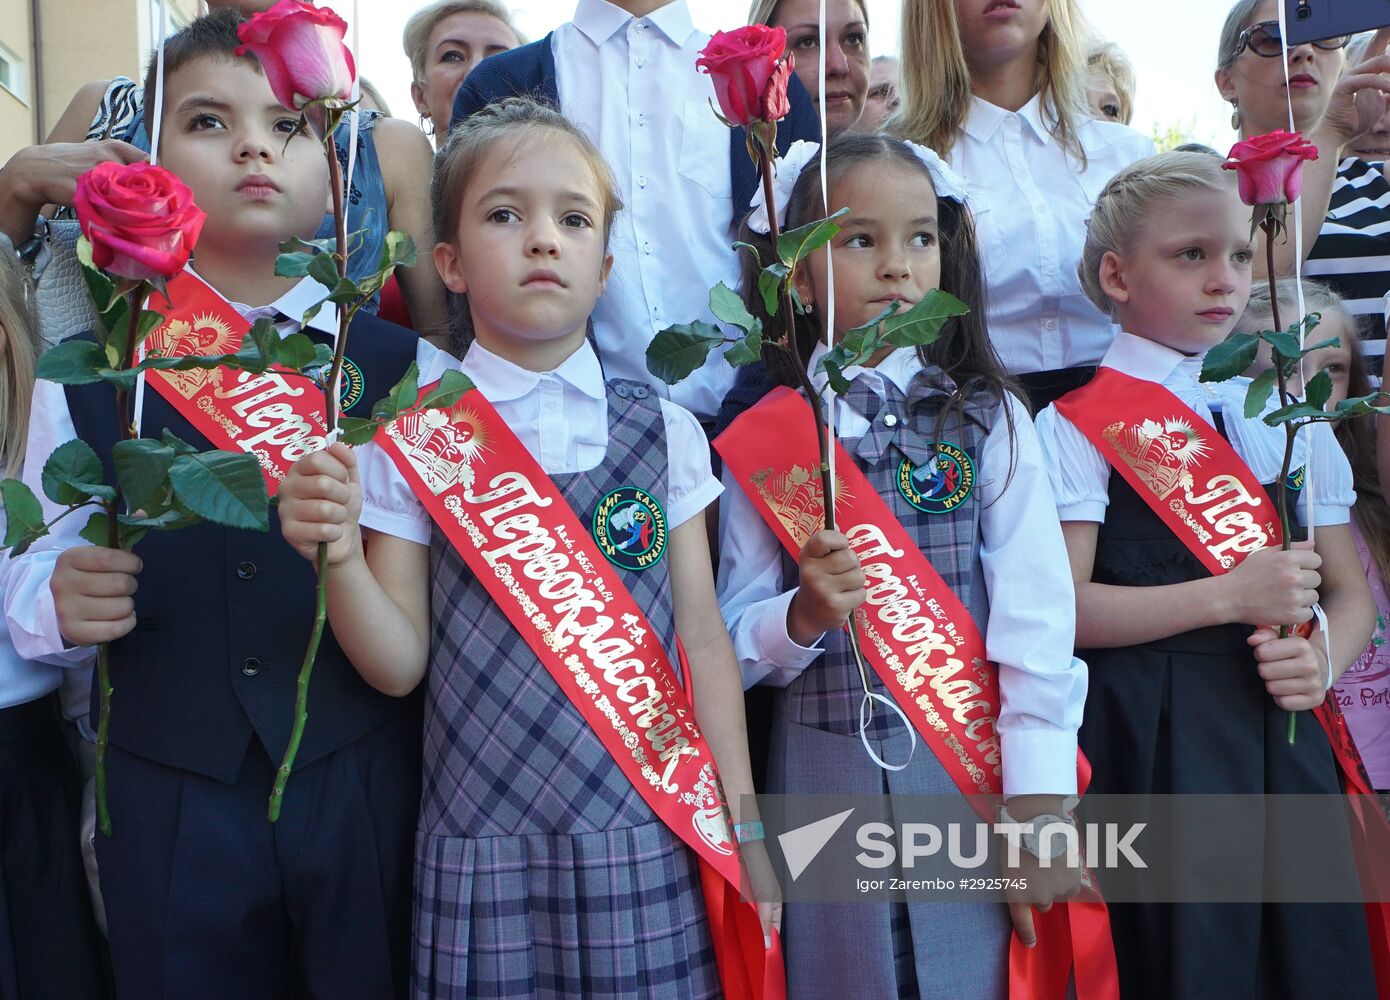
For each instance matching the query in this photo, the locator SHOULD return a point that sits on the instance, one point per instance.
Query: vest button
(245, 570)
(640, 392)
(622, 391)
(250, 666)
(890, 420)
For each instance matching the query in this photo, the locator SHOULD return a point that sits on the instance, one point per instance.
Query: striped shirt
(1352, 253)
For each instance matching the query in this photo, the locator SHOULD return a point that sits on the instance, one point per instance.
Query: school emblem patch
(630, 528)
(1297, 479)
(940, 485)
(351, 384)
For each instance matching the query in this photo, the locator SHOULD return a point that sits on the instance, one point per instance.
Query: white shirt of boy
(1081, 475)
(1032, 606)
(1031, 203)
(631, 85)
(561, 417)
(28, 598)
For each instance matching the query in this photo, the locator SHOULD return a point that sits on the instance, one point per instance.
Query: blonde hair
(512, 119)
(1317, 298)
(763, 11)
(370, 92)
(417, 30)
(1111, 60)
(936, 78)
(1238, 18)
(1131, 198)
(21, 331)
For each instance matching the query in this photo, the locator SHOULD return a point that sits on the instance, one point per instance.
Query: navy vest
(529, 71)
(223, 615)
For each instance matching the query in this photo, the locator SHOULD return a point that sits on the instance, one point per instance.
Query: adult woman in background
(1345, 200)
(846, 56)
(443, 42)
(999, 89)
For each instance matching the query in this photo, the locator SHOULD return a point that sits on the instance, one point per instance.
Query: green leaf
(1230, 357)
(861, 342)
(23, 516)
(168, 520)
(795, 245)
(357, 430)
(296, 245)
(679, 350)
(142, 469)
(1285, 344)
(180, 446)
(296, 351)
(398, 250)
(839, 385)
(726, 305)
(1295, 411)
(222, 487)
(770, 281)
(121, 378)
(1258, 394)
(923, 322)
(402, 396)
(293, 265)
(1318, 389)
(1359, 406)
(750, 248)
(324, 269)
(745, 351)
(94, 531)
(73, 475)
(73, 362)
(450, 388)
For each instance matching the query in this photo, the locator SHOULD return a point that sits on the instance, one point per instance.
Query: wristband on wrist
(747, 833)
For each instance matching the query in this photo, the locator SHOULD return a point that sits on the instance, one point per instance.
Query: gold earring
(1235, 117)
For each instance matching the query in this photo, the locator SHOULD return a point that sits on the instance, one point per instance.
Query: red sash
(530, 550)
(927, 651)
(1192, 478)
(276, 416)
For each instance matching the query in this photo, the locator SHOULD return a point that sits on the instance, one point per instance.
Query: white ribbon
(866, 713)
(156, 120)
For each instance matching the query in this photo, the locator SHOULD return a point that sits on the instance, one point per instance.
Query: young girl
(1184, 698)
(988, 528)
(49, 945)
(540, 869)
(1363, 692)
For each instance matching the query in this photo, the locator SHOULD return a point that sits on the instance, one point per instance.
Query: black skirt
(1190, 715)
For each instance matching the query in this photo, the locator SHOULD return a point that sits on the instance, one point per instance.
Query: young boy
(625, 73)
(204, 897)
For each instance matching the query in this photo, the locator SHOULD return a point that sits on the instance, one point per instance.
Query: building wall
(80, 40)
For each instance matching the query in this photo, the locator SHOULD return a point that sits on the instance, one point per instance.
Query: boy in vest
(204, 897)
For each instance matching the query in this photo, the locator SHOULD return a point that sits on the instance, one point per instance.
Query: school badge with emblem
(940, 485)
(351, 384)
(630, 528)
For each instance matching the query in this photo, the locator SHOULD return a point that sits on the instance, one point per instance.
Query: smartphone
(1310, 20)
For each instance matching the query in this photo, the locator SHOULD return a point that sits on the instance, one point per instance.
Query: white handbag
(64, 306)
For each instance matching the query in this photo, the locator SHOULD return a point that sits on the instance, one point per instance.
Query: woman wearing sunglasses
(1340, 237)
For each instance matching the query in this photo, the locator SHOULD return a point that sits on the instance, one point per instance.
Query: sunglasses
(1264, 39)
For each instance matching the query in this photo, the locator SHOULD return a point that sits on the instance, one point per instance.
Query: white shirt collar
(502, 380)
(296, 302)
(1146, 359)
(898, 368)
(600, 20)
(983, 119)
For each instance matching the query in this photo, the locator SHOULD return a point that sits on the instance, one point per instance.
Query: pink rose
(139, 219)
(301, 49)
(776, 104)
(741, 63)
(1270, 166)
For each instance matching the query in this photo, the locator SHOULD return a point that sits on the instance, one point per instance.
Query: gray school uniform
(540, 870)
(930, 950)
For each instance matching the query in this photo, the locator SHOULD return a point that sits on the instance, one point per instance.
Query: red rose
(776, 104)
(139, 219)
(741, 63)
(301, 49)
(1270, 166)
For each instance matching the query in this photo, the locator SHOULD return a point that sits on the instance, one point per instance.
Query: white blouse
(1081, 475)
(1032, 606)
(1031, 201)
(560, 416)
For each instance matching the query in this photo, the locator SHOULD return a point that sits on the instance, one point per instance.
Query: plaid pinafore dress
(942, 950)
(540, 870)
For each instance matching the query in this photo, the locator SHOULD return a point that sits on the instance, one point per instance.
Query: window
(14, 76)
